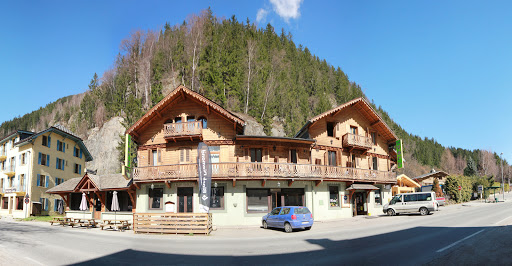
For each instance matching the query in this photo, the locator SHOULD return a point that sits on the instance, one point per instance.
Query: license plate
(305, 222)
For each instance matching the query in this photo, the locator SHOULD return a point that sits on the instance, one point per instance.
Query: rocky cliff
(102, 143)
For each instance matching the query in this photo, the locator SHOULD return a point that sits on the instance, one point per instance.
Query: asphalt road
(458, 234)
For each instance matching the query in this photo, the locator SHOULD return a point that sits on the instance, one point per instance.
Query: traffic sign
(460, 188)
(480, 188)
(27, 200)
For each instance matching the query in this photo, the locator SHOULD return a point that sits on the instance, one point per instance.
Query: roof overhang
(408, 181)
(436, 174)
(182, 92)
(361, 105)
(275, 139)
(362, 187)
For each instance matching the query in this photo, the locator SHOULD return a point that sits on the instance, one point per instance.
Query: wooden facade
(350, 143)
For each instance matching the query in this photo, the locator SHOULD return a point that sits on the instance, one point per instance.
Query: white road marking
(503, 220)
(457, 242)
(30, 259)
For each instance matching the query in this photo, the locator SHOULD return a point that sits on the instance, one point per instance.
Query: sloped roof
(408, 181)
(182, 91)
(67, 186)
(58, 129)
(365, 109)
(434, 174)
(16, 132)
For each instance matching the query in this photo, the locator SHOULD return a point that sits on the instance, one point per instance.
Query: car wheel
(288, 228)
(424, 211)
(308, 228)
(391, 212)
(265, 225)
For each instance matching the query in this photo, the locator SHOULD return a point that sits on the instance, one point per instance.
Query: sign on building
(399, 154)
(204, 169)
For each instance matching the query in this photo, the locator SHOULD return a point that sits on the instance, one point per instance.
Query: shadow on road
(417, 245)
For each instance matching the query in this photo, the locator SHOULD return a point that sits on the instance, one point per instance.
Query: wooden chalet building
(338, 165)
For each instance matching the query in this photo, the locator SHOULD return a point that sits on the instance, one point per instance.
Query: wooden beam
(168, 184)
(208, 108)
(136, 185)
(375, 123)
(318, 182)
(234, 182)
(290, 182)
(263, 182)
(132, 196)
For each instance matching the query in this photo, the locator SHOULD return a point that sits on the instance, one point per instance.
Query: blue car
(288, 218)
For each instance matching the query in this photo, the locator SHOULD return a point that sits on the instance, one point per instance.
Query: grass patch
(40, 218)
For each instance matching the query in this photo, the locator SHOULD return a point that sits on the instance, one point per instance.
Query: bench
(61, 221)
(120, 225)
(84, 223)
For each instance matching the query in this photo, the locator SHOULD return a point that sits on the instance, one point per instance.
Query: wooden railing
(262, 170)
(350, 139)
(172, 223)
(183, 129)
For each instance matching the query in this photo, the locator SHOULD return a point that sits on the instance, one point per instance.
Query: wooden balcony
(262, 171)
(174, 131)
(356, 141)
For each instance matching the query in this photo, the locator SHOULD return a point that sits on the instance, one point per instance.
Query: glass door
(185, 199)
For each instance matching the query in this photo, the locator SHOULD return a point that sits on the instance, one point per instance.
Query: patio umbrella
(115, 204)
(83, 205)
(60, 207)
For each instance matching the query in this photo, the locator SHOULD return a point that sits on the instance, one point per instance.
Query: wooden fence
(172, 223)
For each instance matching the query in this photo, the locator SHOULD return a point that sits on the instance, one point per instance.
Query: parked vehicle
(440, 201)
(422, 202)
(288, 218)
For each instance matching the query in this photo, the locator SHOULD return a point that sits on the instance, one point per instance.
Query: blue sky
(440, 68)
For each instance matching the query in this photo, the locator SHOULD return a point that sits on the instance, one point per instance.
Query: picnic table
(84, 222)
(120, 225)
(61, 220)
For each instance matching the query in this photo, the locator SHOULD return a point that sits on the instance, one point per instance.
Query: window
(23, 159)
(353, 130)
(184, 155)
(44, 159)
(354, 161)
(78, 169)
(257, 200)
(44, 204)
(5, 202)
(59, 164)
(77, 152)
(256, 155)
(59, 181)
(330, 129)
(334, 196)
(285, 211)
(19, 203)
(155, 198)
(217, 198)
(375, 164)
(332, 158)
(293, 156)
(423, 197)
(47, 141)
(154, 157)
(275, 211)
(42, 180)
(61, 146)
(409, 198)
(22, 181)
(378, 197)
(374, 138)
(204, 122)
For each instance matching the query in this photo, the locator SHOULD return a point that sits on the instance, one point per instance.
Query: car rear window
(303, 210)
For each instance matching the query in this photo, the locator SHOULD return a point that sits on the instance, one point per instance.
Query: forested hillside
(245, 69)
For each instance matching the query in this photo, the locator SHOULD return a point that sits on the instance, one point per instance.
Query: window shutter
(63, 164)
(39, 160)
(48, 160)
(55, 205)
(57, 163)
(49, 141)
(80, 169)
(326, 158)
(159, 155)
(56, 181)
(338, 158)
(63, 147)
(19, 157)
(46, 203)
(58, 144)
(188, 155)
(289, 156)
(47, 179)
(181, 155)
(80, 150)
(38, 179)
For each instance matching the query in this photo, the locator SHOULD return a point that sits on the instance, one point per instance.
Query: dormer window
(330, 129)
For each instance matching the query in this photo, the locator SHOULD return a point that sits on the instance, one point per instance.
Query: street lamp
(502, 183)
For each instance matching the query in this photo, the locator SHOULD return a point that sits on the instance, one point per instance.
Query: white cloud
(261, 15)
(286, 9)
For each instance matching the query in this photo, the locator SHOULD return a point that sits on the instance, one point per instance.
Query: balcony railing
(262, 170)
(193, 128)
(14, 189)
(3, 155)
(9, 170)
(353, 140)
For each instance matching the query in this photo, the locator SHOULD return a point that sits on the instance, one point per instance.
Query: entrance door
(97, 207)
(185, 199)
(359, 203)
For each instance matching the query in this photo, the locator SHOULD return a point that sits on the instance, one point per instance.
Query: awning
(362, 187)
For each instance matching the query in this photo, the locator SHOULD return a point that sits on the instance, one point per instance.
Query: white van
(422, 202)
